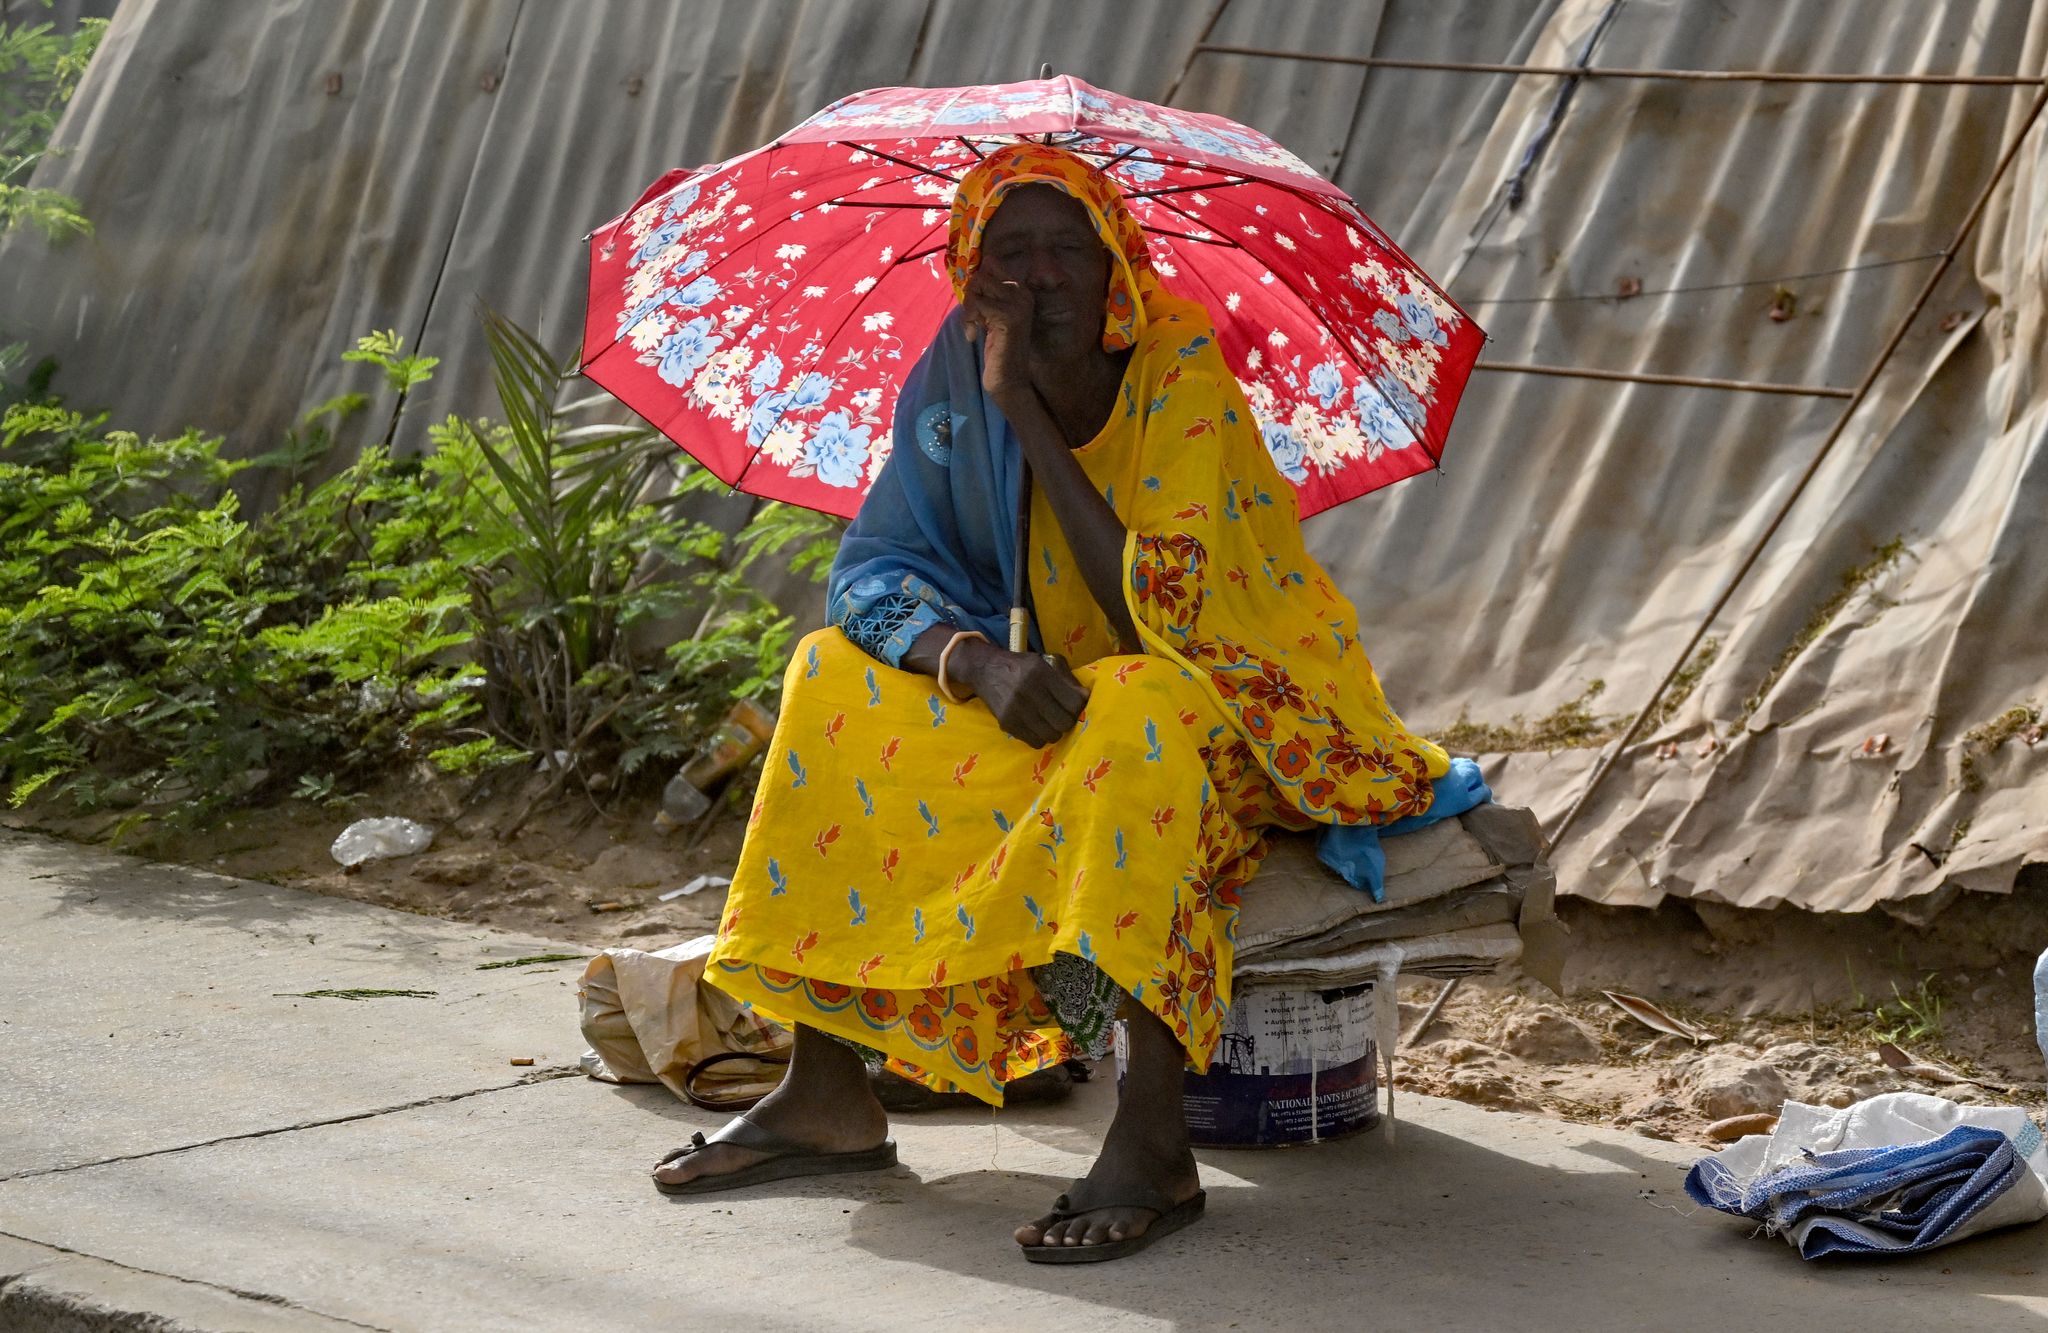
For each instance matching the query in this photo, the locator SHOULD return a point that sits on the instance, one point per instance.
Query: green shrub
(497, 599)
(571, 562)
(39, 70)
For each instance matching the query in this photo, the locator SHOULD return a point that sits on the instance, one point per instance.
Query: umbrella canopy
(763, 312)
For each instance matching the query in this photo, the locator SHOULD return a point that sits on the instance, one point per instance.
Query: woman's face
(1040, 236)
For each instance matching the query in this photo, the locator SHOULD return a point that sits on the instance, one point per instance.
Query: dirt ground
(1793, 1003)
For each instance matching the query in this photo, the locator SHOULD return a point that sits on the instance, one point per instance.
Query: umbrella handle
(1020, 635)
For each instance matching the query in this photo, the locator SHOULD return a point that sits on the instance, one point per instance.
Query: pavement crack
(58, 1298)
(547, 1075)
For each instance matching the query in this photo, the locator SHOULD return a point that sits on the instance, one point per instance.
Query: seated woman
(967, 861)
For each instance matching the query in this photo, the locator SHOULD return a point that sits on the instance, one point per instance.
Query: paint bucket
(1292, 1066)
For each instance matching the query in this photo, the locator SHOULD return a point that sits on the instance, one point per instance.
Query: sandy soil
(1795, 1003)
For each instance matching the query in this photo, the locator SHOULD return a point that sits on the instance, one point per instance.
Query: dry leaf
(1742, 1126)
(1650, 1016)
(1903, 1060)
(1932, 1071)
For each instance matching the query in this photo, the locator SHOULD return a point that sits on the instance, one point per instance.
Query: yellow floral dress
(908, 864)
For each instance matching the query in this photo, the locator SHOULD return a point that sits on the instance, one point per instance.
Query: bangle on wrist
(945, 658)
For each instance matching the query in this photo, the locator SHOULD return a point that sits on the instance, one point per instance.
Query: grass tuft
(355, 995)
(1979, 742)
(1882, 559)
(531, 959)
(1686, 681)
(1909, 1017)
(1570, 726)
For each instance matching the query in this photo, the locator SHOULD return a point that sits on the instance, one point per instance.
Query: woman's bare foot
(824, 1102)
(1146, 1153)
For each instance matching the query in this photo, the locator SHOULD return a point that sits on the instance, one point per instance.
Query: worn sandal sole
(1180, 1215)
(789, 1166)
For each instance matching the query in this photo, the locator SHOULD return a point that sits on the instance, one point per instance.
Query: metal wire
(1777, 280)
(1617, 72)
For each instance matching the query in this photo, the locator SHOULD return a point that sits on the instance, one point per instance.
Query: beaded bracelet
(945, 655)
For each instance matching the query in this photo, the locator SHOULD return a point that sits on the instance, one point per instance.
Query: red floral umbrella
(763, 312)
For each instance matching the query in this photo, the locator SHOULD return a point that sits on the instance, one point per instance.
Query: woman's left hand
(999, 315)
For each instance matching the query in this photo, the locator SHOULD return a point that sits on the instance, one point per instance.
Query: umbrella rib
(1128, 150)
(748, 466)
(1211, 239)
(969, 146)
(901, 162)
(1380, 234)
(1185, 189)
(848, 201)
(1421, 433)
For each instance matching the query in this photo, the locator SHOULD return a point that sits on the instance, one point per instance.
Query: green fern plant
(39, 70)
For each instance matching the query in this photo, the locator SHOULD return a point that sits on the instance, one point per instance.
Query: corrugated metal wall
(251, 222)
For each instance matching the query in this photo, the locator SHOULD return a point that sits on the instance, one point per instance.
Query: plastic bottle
(2041, 1004)
(742, 734)
(379, 839)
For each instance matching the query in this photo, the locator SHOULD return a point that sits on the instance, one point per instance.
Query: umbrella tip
(1045, 70)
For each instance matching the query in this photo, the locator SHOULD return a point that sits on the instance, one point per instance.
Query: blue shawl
(935, 540)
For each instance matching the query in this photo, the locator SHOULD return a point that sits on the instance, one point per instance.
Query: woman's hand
(1034, 696)
(999, 317)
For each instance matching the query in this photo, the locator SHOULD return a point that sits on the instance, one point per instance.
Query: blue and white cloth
(1895, 1174)
(1354, 851)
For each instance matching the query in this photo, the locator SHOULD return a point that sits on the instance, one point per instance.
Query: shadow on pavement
(1436, 1231)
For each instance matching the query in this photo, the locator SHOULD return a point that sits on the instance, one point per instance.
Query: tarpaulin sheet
(267, 186)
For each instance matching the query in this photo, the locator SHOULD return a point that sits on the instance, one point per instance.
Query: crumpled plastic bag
(652, 1018)
(380, 839)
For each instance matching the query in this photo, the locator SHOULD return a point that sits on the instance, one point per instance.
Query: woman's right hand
(1034, 697)
(999, 316)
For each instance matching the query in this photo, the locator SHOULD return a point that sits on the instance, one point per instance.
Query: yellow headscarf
(1131, 279)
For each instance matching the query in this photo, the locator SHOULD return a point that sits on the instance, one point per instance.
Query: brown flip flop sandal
(1171, 1217)
(790, 1160)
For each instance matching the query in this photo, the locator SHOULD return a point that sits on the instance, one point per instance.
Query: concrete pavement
(184, 1146)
